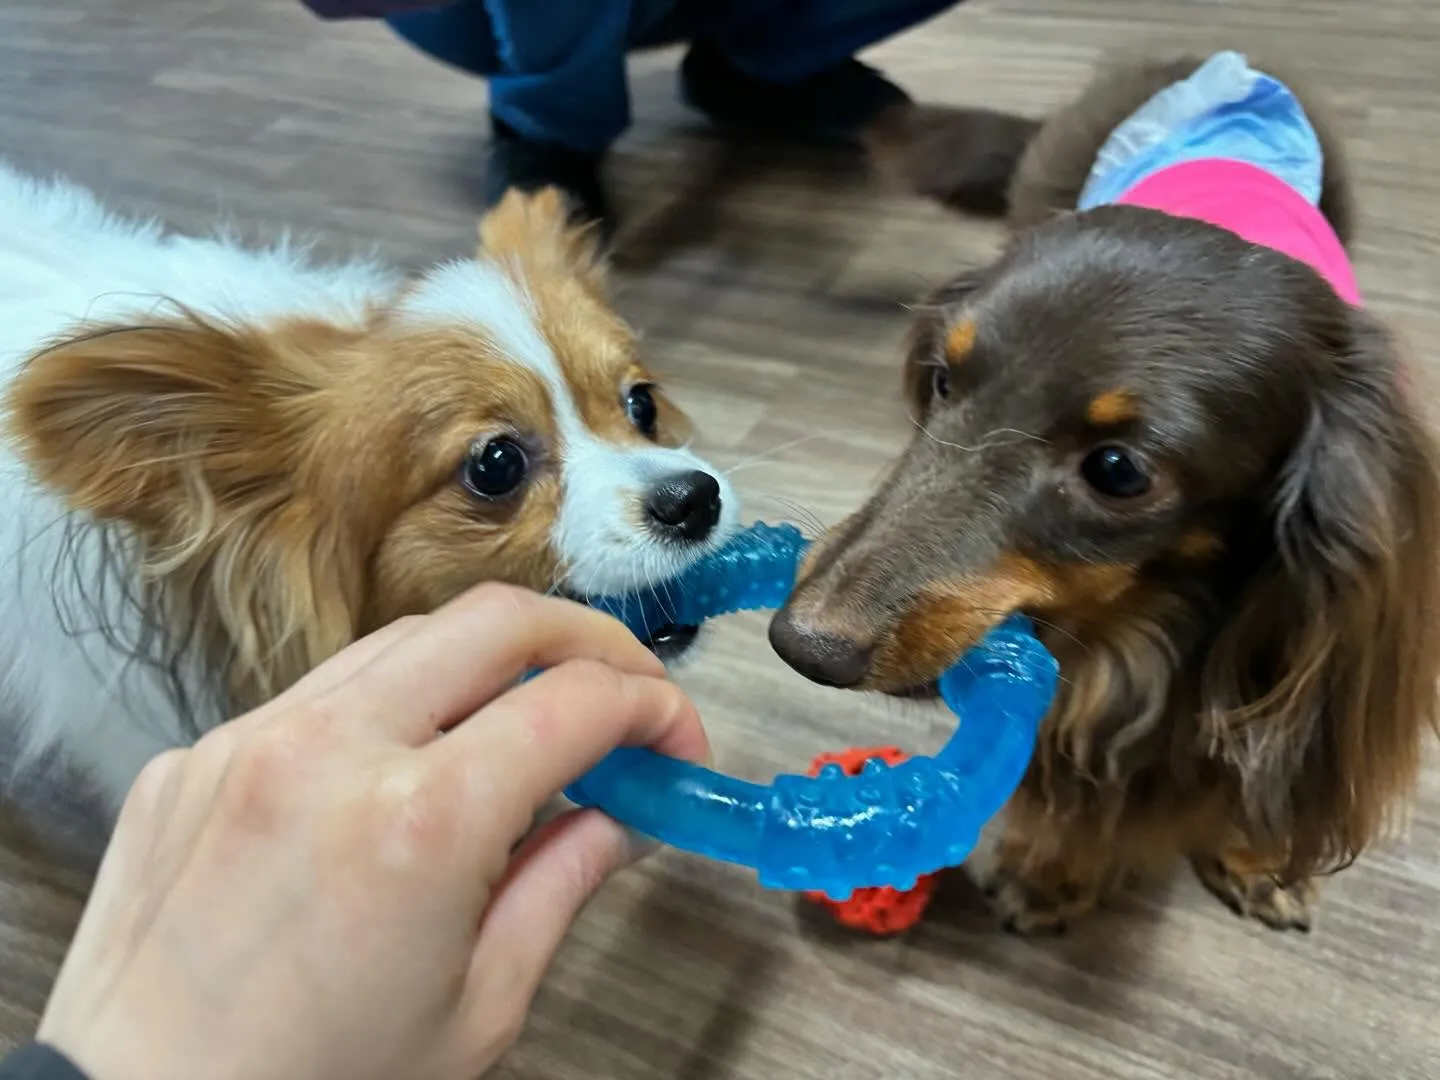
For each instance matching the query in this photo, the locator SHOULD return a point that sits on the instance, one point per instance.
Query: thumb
(551, 877)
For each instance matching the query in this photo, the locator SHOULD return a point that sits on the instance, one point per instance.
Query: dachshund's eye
(640, 408)
(940, 382)
(494, 469)
(1112, 471)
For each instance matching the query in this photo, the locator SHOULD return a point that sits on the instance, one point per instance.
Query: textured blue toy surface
(831, 833)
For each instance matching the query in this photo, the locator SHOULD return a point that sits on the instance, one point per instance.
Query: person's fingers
(154, 790)
(146, 821)
(209, 763)
(462, 656)
(549, 880)
(348, 661)
(550, 730)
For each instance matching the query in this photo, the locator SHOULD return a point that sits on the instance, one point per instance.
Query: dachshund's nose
(822, 656)
(685, 507)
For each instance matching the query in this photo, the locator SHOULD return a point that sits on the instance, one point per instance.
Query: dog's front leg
(1249, 883)
(1040, 872)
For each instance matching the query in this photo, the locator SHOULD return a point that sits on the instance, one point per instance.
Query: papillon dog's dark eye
(640, 408)
(1113, 471)
(494, 469)
(940, 382)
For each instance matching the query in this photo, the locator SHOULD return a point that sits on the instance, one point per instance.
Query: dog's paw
(1258, 896)
(1032, 908)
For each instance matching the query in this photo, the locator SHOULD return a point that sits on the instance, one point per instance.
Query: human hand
(324, 889)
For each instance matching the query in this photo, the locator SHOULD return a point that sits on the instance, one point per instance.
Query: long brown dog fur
(1250, 653)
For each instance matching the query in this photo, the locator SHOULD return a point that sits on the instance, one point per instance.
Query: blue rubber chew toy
(830, 833)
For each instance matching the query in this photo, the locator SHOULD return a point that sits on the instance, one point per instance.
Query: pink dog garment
(1252, 203)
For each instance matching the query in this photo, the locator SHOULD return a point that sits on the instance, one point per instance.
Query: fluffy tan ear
(535, 229)
(196, 438)
(131, 423)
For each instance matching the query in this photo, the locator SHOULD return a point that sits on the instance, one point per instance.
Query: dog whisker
(805, 517)
(769, 455)
(986, 441)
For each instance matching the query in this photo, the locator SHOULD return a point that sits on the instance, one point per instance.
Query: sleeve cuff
(39, 1062)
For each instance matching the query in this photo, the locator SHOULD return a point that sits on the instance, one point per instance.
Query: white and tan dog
(223, 465)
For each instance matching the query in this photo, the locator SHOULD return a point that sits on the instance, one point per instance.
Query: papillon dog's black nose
(685, 507)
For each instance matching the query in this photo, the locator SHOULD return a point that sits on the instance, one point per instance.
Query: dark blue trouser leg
(803, 37)
(556, 68)
(460, 34)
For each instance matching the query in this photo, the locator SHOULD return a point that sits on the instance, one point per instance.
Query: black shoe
(518, 162)
(832, 106)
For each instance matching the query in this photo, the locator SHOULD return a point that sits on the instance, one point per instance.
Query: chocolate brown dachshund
(1203, 474)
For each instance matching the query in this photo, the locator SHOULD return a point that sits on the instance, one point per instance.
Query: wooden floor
(770, 293)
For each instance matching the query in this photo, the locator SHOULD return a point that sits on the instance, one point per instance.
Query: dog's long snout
(685, 507)
(882, 604)
(822, 655)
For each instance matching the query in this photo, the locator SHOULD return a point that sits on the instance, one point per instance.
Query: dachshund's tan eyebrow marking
(960, 340)
(1112, 407)
(1200, 544)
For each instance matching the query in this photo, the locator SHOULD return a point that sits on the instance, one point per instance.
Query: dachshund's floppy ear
(1321, 688)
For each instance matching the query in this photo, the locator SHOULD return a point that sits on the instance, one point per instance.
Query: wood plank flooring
(770, 294)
